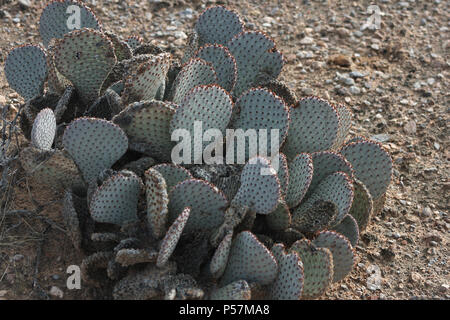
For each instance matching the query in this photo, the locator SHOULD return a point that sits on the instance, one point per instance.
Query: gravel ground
(395, 79)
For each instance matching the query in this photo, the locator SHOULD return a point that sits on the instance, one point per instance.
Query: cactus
(26, 70)
(101, 135)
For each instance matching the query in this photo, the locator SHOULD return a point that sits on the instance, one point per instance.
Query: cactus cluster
(100, 112)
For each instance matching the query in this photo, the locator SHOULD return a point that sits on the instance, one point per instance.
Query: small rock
(56, 277)
(432, 237)
(427, 212)
(410, 127)
(3, 293)
(357, 74)
(404, 102)
(374, 280)
(308, 91)
(444, 288)
(180, 35)
(56, 292)
(2, 100)
(16, 20)
(340, 60)
(307, 40)
(381, 137)
(415, 277)
(375, 47)
(355, 90)
(24, 4)
(431, 81)
(437, 146)
(18, 257)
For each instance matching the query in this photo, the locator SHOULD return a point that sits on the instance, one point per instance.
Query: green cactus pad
(209, 104)
(134, 42)
(283, 173)
(194, 73)
(250, 260)
(278, 250)
(44, 130)
(300, 176)
(259, 109)
(94, 145)
(237, 290)
(121, 48)
(362, 206)
(140, 165)
(342, 251)
(255, 54)
(71, 219)
(172, 236)
(149, 80)
(173, 174)
(57, 83)
(348, 228)
(115, 201)
(218, 25)
(26, 70)
(345, 123)
(157, 201)
(55, 17)
(220, 257)
(314, 127)
(85, 57)
(337, 188)
(289, 282)
(223, 63)
(317, 268)
(320, 216)
(63, 105)
(147, 125)
(378, 204)
(282, 90)
(260, 187)
(51, 168)
(280, 219)
(129, 257)
(372, 165)
(326, 163)
(207, 204)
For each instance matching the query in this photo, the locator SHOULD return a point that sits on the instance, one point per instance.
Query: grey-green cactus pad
(173, 174)
(260, 187)
(345, 123)
(147, 125)
(220, 257)
(237, 290)
(44, 129)
(217, 25)
(300, 176)
(342, 251)
(314, 127)
(372, 165)
(195, 72)
(157, 200)
(94, 145)
(207, 204)
(56, 15)
(280, 219)
(349, 229)
(26, 70)
(259, 109)
(362, 206)
(255, 55)
(250, 260)
(223, 63)
(85, 57)
(289, 282)
(115, 201)
(317, 268)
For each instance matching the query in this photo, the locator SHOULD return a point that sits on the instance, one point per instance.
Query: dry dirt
(402, 99)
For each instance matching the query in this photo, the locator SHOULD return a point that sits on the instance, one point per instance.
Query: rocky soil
(395, 79)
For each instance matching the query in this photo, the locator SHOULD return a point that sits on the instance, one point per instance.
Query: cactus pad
(220, 257)
(260, 187)
(326, 163)
(173, 174)
(362, 206)
(345, 123)
(115, 201)
(55, 17)
(173, 234)
(194, 73)
(259, 109)
(255, 54)
(211, 105)
(320, 216)
(149, 81)
(349, 229)
(134, 42)
(300, 176)
(250, 260)
(336, 188)
(223, 63)
(372, 165)
(147, 125)
(95, 145)
(85, 57)
(314, 127)
(207, 204)
(237, 290)
(289, 282)
(157, 201)
(283, 173)
(26, 70)
(280, 219)
(317, 268)
(44, 129)
(217, 25)
(342, 251)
